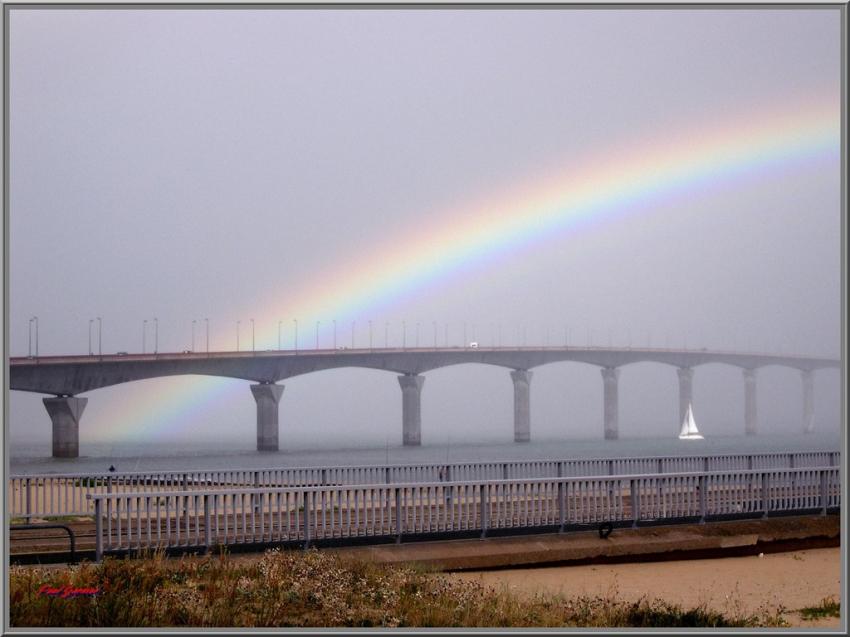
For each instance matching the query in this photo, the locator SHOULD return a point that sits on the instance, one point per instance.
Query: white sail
(689, 427)
(684, 431)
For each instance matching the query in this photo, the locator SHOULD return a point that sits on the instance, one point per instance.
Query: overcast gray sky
(214, 164)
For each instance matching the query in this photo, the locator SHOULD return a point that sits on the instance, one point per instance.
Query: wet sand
(732, 585)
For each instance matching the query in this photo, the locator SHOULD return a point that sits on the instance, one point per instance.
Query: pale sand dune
(735, 584)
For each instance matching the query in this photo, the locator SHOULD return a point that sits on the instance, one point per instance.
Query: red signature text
(66, 592)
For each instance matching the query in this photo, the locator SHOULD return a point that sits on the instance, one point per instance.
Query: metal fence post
(562, 506)
(824, 495)
(765, 494)
(484, 493)
(29, 501)
(324, 477)
(504, 471)
(660, 465)
(388, 479)
(306, 520)
(207, 529)
(254, 497)
(98, 532)
(449, 490)
(635, 491)
(703, 485)
(109, 501)
(186, 504)
(610, 467)
(397, 515)
(705, 464)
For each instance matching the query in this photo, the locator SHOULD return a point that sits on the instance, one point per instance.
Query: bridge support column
(609, 402)
(411, 410)
(522, 405)
(808, 400)
(750, 413)
(686, 392)
(267, 396)
(65, 412)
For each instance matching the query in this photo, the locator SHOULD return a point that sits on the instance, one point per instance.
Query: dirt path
(734, 584)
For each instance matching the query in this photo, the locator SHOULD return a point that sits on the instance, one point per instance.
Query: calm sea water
(174, 456)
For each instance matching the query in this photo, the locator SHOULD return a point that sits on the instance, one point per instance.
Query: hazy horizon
(400, 166)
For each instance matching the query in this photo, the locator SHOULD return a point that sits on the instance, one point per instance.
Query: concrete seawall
(715, 539)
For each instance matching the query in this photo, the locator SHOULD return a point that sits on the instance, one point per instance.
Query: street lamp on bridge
(99, 337)
(32, 320)
(155, 335)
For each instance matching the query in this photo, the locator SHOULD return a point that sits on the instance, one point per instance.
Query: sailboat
(689, 427)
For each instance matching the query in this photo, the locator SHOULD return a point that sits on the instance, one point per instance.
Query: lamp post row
(496, 336)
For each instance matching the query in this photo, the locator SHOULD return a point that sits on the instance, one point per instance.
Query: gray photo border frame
(840, 6)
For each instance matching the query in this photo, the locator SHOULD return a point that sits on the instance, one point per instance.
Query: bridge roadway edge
(72, 375)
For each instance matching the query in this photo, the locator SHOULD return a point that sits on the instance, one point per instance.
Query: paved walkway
(667, 542)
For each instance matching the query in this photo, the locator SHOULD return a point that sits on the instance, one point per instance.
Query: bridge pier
(686, 392)
(65, 413)
(609, 402)
(522, 405)
(808, 400)
(411, 409)
(267, 397)
(750, 413)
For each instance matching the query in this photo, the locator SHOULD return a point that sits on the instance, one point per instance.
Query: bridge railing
(53, 495)
(273, 515)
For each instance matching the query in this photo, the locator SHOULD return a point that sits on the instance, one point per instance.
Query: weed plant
(313, 589)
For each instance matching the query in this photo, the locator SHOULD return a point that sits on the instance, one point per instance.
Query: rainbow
(605, 187)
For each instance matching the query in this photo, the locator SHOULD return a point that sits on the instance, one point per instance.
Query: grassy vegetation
(313, 589)
(827, 608)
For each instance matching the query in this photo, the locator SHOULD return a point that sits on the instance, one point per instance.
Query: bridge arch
(465, 402)
(321, 406)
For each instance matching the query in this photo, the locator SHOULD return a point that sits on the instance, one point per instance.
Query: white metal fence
(207, 518)
(49, 495)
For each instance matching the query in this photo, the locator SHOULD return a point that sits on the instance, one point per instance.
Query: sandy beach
(735, 584)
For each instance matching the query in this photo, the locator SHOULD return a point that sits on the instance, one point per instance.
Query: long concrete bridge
(67, 376)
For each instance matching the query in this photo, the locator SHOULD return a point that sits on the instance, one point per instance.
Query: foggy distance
(258, 168)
